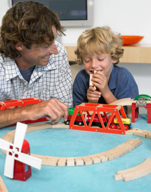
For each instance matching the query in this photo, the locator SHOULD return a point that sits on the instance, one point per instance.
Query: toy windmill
(15, 154)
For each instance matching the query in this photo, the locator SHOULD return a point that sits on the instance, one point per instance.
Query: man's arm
(53, 110)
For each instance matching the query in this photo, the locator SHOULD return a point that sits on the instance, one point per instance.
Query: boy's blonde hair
(99, 39)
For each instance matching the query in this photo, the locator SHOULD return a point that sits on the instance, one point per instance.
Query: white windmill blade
(20, 135)
(29, 160)
(9, 166)
(4, 144)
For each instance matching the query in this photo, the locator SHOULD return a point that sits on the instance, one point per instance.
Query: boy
(99, 50)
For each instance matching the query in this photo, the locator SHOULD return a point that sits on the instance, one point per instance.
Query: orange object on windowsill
(131, 39)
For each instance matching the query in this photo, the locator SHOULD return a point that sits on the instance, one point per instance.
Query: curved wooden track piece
(123, 102)
(72, 161)
(3, 187)
(136, 172)
(139, 132)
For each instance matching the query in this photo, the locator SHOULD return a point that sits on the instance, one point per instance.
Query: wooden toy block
(141, 171)
(137, 175)
(124, 102)
(79, 161)
(148, 135)
(60, 125)
(129, 132)
(90, 81)
(62, 161)
(142, 134)
(95, 159)
(132, 169)
(53, 161)
(3, 187)
(111, 157)
(87, 160)
(119, 154)
(118, 177)
(70, 161)
(136, 172)
(102, 157)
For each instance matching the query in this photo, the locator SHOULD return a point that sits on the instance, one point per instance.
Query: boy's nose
(93, 63)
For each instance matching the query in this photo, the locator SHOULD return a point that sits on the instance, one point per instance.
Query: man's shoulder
(2, 61)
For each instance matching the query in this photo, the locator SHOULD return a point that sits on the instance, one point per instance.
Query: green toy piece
(143, 97)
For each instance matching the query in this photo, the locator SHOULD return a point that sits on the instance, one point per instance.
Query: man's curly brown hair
(27, 23)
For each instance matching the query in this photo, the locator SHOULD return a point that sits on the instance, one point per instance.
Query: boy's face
(98, 62)
(36, 55)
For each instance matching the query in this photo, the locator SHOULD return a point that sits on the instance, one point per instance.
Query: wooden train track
(139, 132)
(136, 172)
(76, 161)
(2, 186)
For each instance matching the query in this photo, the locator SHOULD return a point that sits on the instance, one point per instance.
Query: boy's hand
(93, 95)
(100, 81)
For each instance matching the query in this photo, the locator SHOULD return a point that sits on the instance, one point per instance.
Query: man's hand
(52, 109)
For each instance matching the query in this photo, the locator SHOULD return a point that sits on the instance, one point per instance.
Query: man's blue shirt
(121, 84)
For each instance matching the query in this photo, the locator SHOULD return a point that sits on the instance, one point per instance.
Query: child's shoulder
(120, 70)
(82, 73)
(82, 77)
(121, 73)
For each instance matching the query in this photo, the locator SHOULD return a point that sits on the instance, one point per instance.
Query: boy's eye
(86, 60)
(100, 59)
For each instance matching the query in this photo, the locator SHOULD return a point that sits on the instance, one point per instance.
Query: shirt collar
(12, 71)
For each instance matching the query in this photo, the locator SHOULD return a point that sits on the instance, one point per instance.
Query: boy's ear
(19, 47)
(114, 61)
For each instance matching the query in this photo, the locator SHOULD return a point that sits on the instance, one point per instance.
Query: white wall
(128, 17)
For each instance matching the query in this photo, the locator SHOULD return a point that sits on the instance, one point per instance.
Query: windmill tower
(15, 155)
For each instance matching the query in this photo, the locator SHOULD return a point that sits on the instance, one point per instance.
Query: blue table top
(90, 178)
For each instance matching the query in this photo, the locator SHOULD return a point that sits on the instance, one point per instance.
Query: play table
(87, 178)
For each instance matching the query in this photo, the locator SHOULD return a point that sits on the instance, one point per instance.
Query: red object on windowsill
(131, 39)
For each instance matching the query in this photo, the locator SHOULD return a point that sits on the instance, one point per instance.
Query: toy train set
(96, 122)
(87, 117)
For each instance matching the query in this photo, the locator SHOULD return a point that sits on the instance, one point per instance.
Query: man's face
(37, 55)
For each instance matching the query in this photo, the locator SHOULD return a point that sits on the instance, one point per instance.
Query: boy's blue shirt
(121, 84)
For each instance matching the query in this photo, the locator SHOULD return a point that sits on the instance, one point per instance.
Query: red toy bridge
(115, 111)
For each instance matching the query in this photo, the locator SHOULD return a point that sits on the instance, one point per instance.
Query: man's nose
(53, 49)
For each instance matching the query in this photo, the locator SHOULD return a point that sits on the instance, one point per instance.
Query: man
(33, 64)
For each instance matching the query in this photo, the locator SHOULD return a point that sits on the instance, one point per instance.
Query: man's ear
(19, 47)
